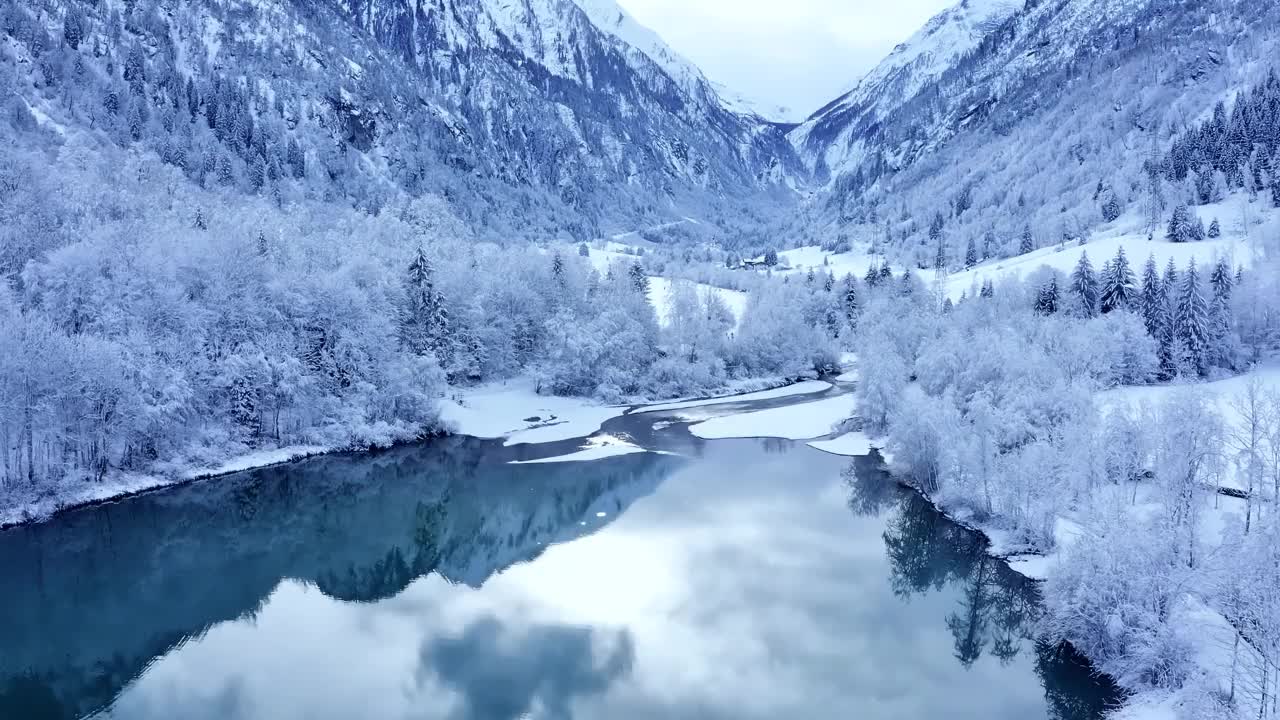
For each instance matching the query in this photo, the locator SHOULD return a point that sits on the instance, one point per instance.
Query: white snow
(1235, 244)
(515, 411)
(804, 388)
(123, 484)
(853, 444)
(597, 448)
(796, 422)
(660, 297)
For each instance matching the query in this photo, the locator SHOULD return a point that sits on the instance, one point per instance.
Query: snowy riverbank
(510, 410)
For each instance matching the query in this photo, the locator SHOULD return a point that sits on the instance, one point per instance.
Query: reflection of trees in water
(95, 596)
(998, 611)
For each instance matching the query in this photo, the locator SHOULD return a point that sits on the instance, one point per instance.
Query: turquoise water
(740, 579)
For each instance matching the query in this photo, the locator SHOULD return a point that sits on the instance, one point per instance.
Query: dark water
(744, 579)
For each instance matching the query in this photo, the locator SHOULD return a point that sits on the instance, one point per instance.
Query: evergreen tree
(971, 254)
(1152, 297)
(940, 258)
(828, 282)
(1191, 323)
(73, 27)
(1166, 334)
(1198, 232)
(988, 245)
(1111, 209)
(935, 228)
(1221, 318)
(639, 280)
(424, 319)
(1028, 242)
(200, 223)
(810, 277)
(872, 278)
(584, 251)
(1047, 300)
(1215, 229)
(851, 300)
(771, 257)
(988, 289)
(1180, 226)
(1118, 284)
(1084, 286)
(886, 273)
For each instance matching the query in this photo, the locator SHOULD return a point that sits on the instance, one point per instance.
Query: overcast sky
(796, 53)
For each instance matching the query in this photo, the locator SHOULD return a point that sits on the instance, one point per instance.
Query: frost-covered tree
(1191, 324)
(1028, 243)
(1181, 226)
(1048, 298)
(1084, 288)
(1118, 285)
(971, 254)
(424, 318)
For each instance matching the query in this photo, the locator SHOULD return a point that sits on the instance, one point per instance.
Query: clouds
(800, 54)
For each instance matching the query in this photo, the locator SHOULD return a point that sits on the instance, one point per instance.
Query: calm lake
(735, 579)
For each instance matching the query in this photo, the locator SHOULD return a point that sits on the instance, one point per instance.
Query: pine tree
(1084, 286)
(810, 277)
(639, 280)
(199, 221)
(828, 282)
(988, 289)
(1180, 225)
(940, 258)
(1111, 209)
(244, 407)
(424, 319)
(1221, 317)
(872, 277)
(886, 273)
(971, 254)
(584, 251)
(1047, 301)
(1191, 323)
(1152, 297)
(936, 227)
(852, 302)
(1166, 336)
(988, 245)
(1198, 232)
(1215, 229)
(1118, 284)
(73, 27)
(1028, 242)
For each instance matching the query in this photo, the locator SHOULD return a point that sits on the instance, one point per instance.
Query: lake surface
(737, 579)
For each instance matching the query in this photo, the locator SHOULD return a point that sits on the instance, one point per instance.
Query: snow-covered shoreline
(509, 410)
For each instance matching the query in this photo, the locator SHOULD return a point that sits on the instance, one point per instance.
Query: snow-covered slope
(1000, 116)
(830, 138)
(536, 118)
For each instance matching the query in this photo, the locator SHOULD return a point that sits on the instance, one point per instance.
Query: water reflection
(997, 611)
(439, 582)
(505, 672)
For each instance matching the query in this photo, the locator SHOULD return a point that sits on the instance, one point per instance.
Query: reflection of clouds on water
(503, 673)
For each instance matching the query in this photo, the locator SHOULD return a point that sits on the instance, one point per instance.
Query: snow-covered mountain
(833, 137)
(533, 117)
(1009, 117)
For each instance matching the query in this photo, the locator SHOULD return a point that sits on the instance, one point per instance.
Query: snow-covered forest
(174, 324)
(1160, 511)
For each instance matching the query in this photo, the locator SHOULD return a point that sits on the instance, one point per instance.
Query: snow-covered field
(514, 410)
(796, 422)
(597, 448)
(1243, 223)
(660, 296)
(851, 444)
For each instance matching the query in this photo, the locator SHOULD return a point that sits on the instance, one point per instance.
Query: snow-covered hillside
(831, 139)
